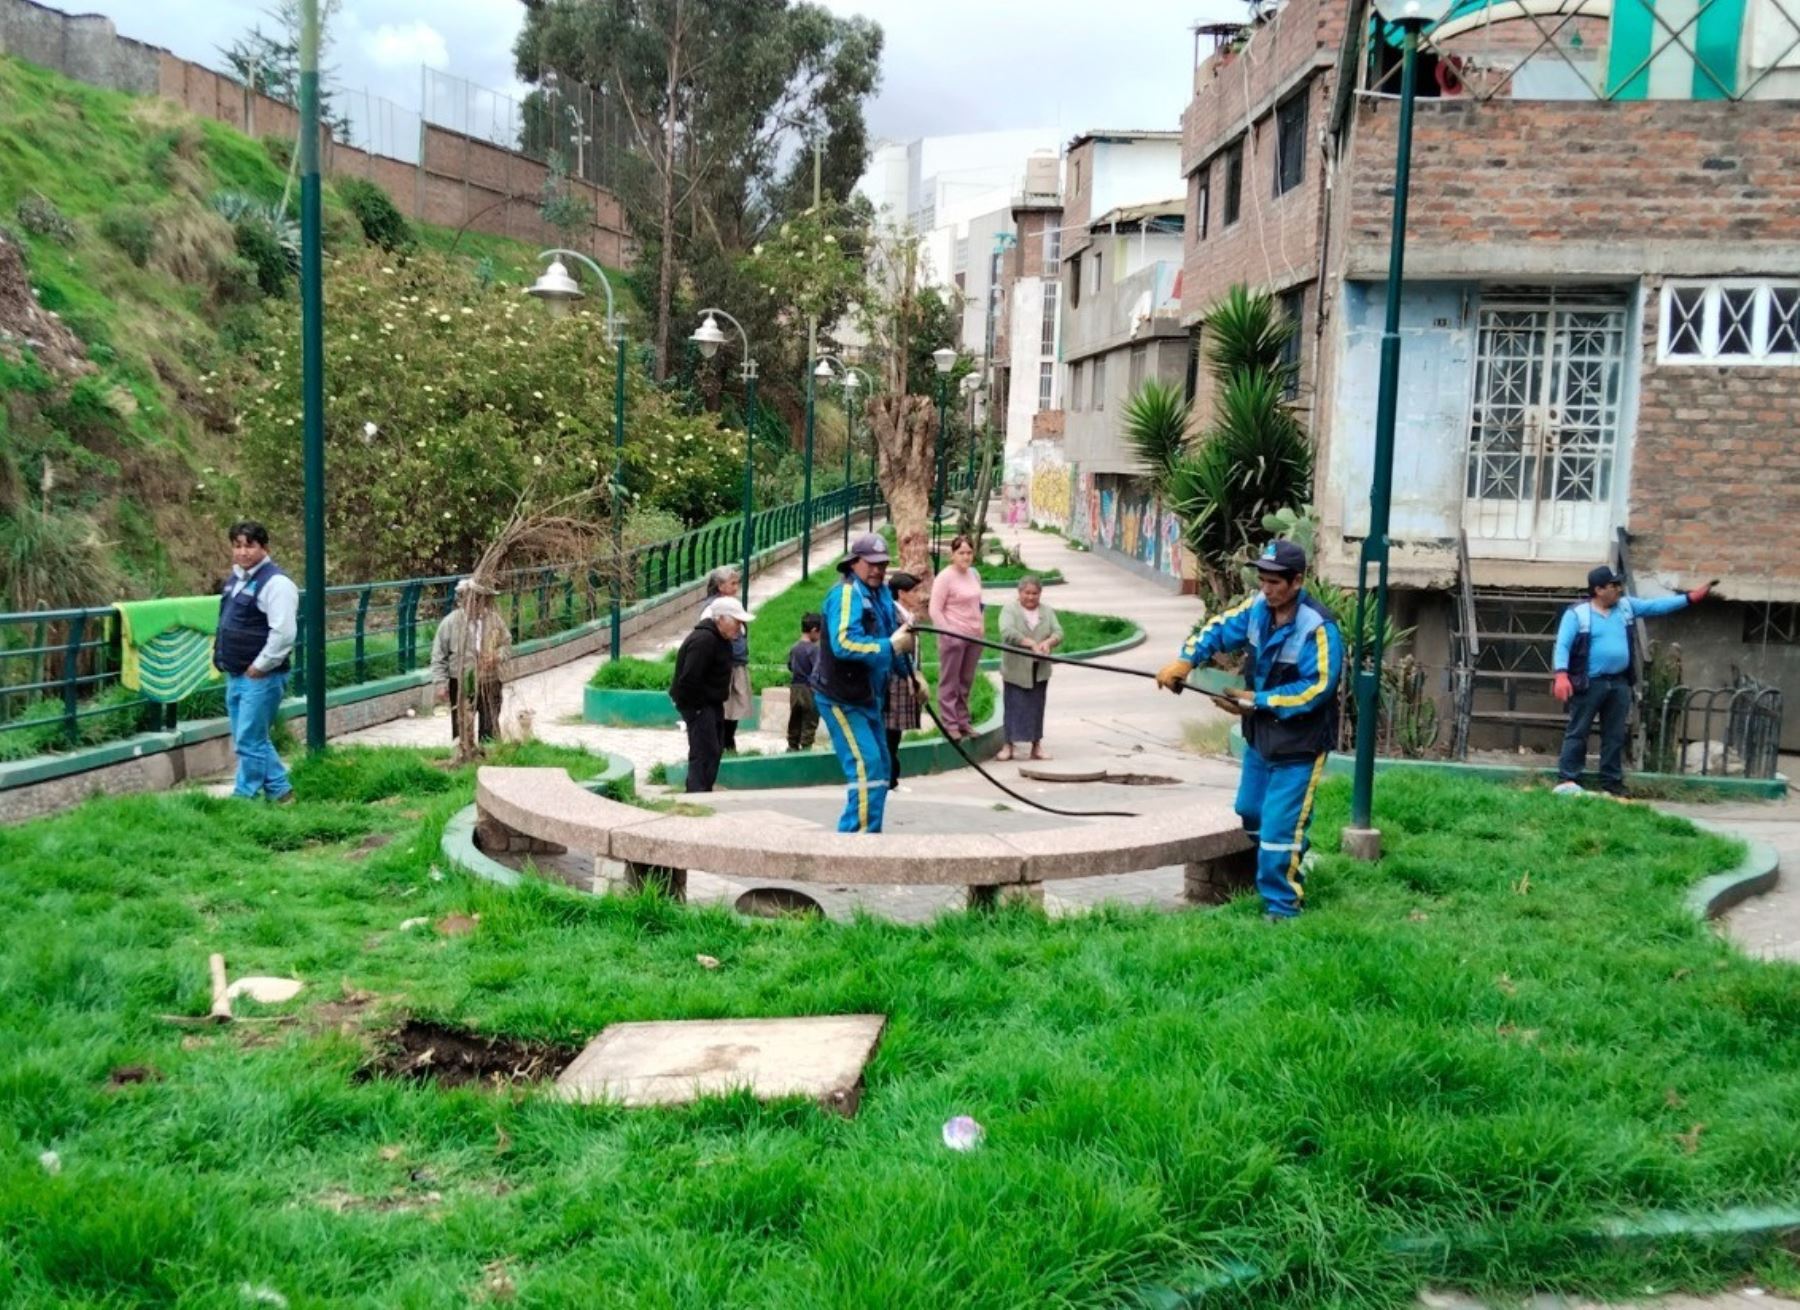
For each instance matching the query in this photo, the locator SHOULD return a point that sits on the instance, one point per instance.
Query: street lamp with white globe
(854, 380)
(709, 336)
(1361, 839)
(559, 291)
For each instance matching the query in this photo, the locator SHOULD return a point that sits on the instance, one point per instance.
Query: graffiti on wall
(1049, 492)
(1116, 515)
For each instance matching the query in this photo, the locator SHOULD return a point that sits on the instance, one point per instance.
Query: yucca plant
(1248, 332)
(1155, 427)
(1254, 461)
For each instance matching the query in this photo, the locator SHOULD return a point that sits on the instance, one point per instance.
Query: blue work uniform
(850, 685)
(1595, 650)
(1294, 670)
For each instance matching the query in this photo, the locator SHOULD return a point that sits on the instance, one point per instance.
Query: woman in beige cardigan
(1028, 623)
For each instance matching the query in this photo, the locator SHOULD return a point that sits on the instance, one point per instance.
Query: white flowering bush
(445, 400)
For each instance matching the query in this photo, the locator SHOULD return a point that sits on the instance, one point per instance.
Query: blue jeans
(1609, 697)
(250, 704)
(1275, 801)
(859, 737)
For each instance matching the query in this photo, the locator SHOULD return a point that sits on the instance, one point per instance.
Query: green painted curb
(620, 708)
(457, 845)
(820, 768)
(1760, 789)
(63, 764)
(1756, 873)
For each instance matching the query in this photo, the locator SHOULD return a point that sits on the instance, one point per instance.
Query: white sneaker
(1566, 789)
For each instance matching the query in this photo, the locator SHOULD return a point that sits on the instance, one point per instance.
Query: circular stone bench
(546, 810)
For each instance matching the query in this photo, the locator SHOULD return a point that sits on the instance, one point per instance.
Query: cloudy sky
(951, 65)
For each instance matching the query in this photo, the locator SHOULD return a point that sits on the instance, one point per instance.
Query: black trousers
(487, 709)
(893, 740)
(705, 728)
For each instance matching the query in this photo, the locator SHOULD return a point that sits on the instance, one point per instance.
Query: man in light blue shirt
(1595, 643)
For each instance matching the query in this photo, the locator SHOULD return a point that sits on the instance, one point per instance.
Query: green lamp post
(851, 384)
(558, 290)
(1361, 839)
(943, 359)
(312, 374)
(709, 336)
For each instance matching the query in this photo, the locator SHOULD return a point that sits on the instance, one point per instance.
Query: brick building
(1600, 318)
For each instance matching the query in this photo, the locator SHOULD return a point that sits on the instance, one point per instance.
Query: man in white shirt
(258, 617)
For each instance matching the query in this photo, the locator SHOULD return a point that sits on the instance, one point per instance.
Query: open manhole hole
(1049, 773)
(777, 903)
(426, 1052)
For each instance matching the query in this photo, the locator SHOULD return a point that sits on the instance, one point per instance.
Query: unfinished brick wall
(1274, 243)
(1715, 477)
(464, 179)
(1551, 171)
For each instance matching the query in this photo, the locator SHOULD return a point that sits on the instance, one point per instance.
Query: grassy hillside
(111, 200)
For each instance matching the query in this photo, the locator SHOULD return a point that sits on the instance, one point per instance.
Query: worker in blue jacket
(864, 632)
(1595, 646)
(1290, 711)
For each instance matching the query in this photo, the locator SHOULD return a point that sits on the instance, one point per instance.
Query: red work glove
(1700, 593)
(1563, 688)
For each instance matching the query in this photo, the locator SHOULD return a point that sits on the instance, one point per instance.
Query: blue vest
(243, 627)
(850, 682)
(1308, 734)
(1579, 677)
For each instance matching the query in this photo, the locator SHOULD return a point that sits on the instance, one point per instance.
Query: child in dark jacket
(803, 658)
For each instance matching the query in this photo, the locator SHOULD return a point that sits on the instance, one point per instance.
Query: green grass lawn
(1506, 1031)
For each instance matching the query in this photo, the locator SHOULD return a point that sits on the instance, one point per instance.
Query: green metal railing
(59, 669)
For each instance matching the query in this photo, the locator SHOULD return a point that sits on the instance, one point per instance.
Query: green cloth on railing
(166, 646)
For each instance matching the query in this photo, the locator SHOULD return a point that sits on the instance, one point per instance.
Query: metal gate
(1544, 426)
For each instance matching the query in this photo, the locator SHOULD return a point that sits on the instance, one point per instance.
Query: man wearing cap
(466, 659)
(1595, 644)
(702, 684)
(1296, 656)
(863, 634)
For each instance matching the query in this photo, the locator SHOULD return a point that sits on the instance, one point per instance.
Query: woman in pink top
(956, 607)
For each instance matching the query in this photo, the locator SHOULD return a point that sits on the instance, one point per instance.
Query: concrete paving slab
(678, 1061)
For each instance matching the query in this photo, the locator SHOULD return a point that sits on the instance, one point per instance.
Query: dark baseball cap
(1604, 576)
(1282, 557)
(869, 546)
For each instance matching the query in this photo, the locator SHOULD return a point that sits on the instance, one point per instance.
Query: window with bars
(1234, 181)
(1094, 273)
(1772, 624)
(1134, 368)
(1730, 322)
(1076, 377)
(1046, 383)
(1075, 283)
(1047, 343)
(1203, 203)
(1293, 308)
(1052, 251)
(1099, 395)
(1290, 144)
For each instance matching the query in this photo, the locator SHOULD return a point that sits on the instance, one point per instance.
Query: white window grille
(1052, 251)
(1046, 384)
(1052, 296)
(1747, 321)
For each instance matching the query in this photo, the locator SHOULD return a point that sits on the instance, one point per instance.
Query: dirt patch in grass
(428, 1052)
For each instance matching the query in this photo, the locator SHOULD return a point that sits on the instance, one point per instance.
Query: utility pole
(312, 370)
